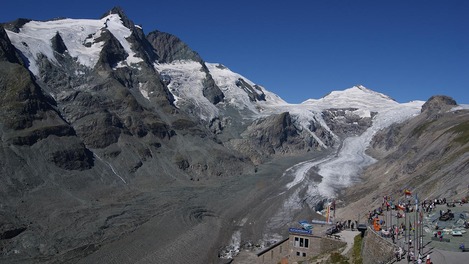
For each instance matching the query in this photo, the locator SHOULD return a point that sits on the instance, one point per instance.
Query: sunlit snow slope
(79, 36)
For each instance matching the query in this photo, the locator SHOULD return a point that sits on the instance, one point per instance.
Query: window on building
(301, 242)
(304, 254)
(272, 254)
(280, 249)
(297, 253)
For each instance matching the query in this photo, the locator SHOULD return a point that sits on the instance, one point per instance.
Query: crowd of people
(377, 219)
(407, 205)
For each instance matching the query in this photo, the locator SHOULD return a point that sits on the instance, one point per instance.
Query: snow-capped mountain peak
(357, 97)
(80, 36)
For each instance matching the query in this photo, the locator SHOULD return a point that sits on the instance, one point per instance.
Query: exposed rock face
(345, 122)
(437, 104)
(170, 48)
(112, 52)
(126, 21)
(140, 45)
(254, 92)
(29, 117)
(58, 44)
(7, 50)
(273, 135)
(211, 90)
(22, 101)
(16, 25)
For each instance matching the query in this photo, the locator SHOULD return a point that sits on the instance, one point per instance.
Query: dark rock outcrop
(16, 24)
(438, 103)
(140, 44)
(211, 91)
(7, 50)
(112, 52)
(58, 44)
(75, 156)
(125, 20)
(30, 117)
(21, 99)
(271, 136)
(255, 93)
(344, 122)
(170, 48)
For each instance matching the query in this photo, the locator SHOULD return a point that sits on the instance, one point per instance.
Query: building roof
(272, 247)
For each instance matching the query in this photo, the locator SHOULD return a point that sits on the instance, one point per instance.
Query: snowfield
(79, 35)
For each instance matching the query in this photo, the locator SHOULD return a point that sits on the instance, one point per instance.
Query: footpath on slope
(348, 236)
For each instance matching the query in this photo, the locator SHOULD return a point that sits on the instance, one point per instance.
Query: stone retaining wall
(376, 249)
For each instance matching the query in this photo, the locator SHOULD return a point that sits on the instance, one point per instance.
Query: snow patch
(233, 248)
(143, 91)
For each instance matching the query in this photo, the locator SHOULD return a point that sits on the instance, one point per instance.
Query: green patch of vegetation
(462, 130)
(357, 250)
(336, 257)
(420, 129)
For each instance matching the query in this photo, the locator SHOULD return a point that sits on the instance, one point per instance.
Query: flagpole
(417, 228)
(389, 212)
(415, 232)
(421, 230)
(397, 223)
(407, 229)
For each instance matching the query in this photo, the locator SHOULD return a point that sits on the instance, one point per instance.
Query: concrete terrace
(441, 252)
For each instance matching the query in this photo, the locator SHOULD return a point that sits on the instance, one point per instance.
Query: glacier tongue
(343, 170)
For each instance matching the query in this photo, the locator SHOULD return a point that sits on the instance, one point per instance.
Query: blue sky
(407, 49)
